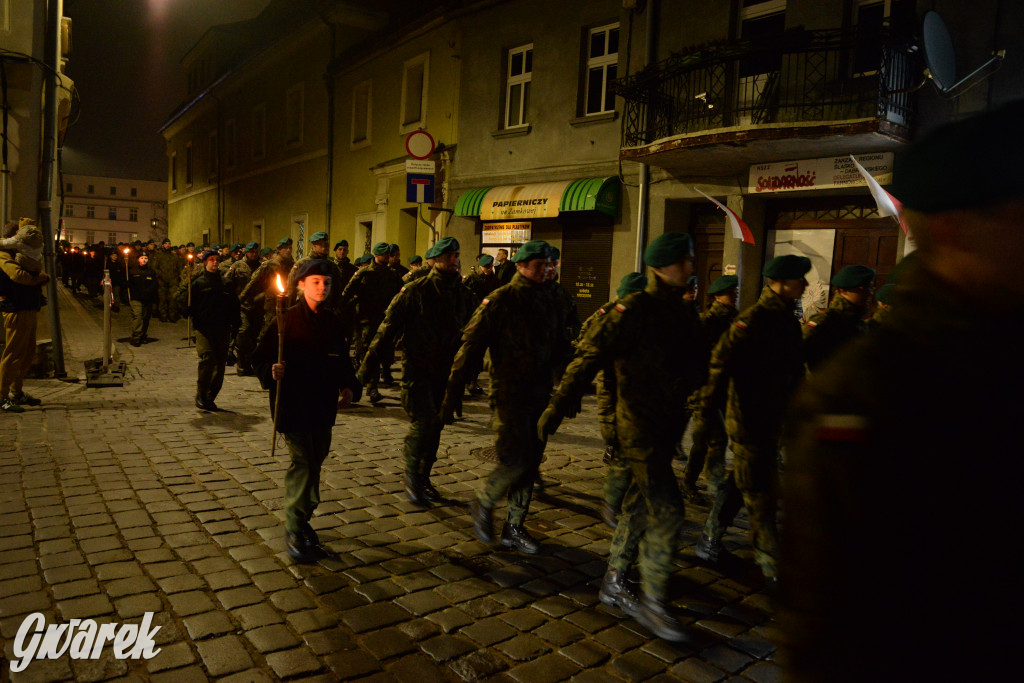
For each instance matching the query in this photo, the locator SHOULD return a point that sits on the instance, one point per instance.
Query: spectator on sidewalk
(21, 297)
(143, 293)
(316, 381)
(214, 313)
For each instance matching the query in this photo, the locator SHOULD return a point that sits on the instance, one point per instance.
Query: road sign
(419, 144)
(419, 188)
(420, 166)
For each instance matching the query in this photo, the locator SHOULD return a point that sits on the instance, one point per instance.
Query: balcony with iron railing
(842, 91)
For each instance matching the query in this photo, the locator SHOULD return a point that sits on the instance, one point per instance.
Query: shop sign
(536, 200)
(507, 233)
(818, 174)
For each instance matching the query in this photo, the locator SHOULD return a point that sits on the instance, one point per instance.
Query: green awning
(538, 199)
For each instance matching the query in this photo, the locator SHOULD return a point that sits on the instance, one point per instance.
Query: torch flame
(126, 252)
(190, 257)
(280, 287)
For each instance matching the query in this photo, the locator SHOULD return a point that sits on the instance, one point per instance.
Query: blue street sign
(419, 188)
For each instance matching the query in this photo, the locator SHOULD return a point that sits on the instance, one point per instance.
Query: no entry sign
(419, 144)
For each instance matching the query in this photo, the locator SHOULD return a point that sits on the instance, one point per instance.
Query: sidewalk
(122, 501)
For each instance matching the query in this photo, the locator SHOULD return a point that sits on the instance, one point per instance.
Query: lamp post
(280, 356)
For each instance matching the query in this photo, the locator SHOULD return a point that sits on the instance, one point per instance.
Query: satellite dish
(940, 58)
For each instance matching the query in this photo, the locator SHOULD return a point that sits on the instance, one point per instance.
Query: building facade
(112, 210)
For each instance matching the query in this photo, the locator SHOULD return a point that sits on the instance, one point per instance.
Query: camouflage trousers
(302, 480)
(650, 520)
(519, 454)
(167, 309)
(620, 476)
(365, 330)
(245, 340)
(422, 402)
(707, 453)
(752, 482)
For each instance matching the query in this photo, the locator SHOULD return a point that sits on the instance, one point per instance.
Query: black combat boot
(656, 618)
(414, 489)
(710, 550)
(483, 527)
(615, 592)
(298, 548)
(516, 536)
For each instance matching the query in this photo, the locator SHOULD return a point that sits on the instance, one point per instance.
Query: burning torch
(280, 356)
(127, 278)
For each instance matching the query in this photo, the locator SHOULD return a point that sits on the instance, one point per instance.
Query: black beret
(556, 254)
(787, 267)
(852, 277)
(341, 243)
(723, 284)
(208, 253)
(971, 162)
(313, 266)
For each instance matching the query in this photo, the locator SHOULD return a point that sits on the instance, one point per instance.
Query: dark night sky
(125, 62)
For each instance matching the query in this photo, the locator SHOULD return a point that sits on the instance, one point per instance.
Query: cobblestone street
(122, 501)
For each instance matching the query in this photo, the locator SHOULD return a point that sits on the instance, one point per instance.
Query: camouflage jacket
(263, 281)
(481, 283)
(225, 264)
(369, 293)
(651, 342)
(422, 271)
(713, 324)
(428, 316)
(333, 294)
(878, 319)
(240, 273)
(605, 379)
(754, 369)
(826, 332)
(523, 327)
(167, 265)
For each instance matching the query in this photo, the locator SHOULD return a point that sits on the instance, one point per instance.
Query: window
(90, 212)
(92, 189)
(112, 213)
(113, 191)
(761, 19)
(870, 20)
(69, 210)
(259, 131)
(111, 238)
(517, 85)
(70, 188)
(362, 112)
(230, 144)
(135, 192)
(294, 113)
(602, 65)
(188, 164)
(174, 172)
(133, 215)
(90, 237)
(414, 93)
(134, 236)
(214, 165)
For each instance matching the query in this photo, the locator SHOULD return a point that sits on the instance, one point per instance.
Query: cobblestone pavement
(122, 501)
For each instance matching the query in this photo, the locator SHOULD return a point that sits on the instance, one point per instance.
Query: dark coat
(142, 284)
(214, 304)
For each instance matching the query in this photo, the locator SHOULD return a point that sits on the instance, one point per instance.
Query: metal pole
(107, 340)
(44, 194)
(280, 359)
(644, 195)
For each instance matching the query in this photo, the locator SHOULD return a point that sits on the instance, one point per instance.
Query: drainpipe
(643, 197)
(329, 83)
(44, 193)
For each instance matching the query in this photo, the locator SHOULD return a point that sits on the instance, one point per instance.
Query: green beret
(318, 237)
(216, 246)
(556, 254)
(416, 259)
(967, 163)
(445, 245)
(691, 282)
(787, 267)
(166, 241)
(634, 282)
(284, 242)
(884, 293)
(393, 249)
(237, 246)
(266, 251)
(191, 244)
(341, 243)
(533, 249)
(723, 284)
(365, 258)
(486, 260)
(252, 246)
(669, 248)
(381, 249)
(852, 277)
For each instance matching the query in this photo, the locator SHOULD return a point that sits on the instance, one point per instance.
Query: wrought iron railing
(801, 76)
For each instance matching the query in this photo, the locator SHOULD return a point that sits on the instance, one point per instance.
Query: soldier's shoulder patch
(742, 324)
(401, 290)
(601, 311)
(812, 323)
(485, 302)
(620, 308)
(836, 428)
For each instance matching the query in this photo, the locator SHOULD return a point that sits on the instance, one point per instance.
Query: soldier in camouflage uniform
(523, 327)
(367, 297)
(754, 370)
(481, 282)
(317, 250)
(234, 255)
(883, 301)
(417, 273)
(345, 265)
(709, 437)
(261, 292)
(167, 266)
(238, 277)
(427, 316)
(652, 341)
(843, 320)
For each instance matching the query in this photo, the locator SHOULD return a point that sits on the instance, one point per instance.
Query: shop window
(601, 68)
(294, 113)
(362, 113)
(259, 132)
(517, 85)
(414, 93)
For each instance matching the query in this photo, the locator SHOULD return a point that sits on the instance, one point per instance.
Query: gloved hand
(548, 423)
(574, 408)
(448, 407)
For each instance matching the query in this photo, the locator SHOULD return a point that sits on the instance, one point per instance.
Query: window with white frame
(111, 238)
(602, 67)
(188, 164)
(90, 237)
(415, 74)
(362, 112)
(517, 85)
(870, 19)
(294, 113)
(133, 215)
(90, 212)
(230, 143)
(759, 72)
(69, 210)
(213, 165)
(259, 132)
(111, 213)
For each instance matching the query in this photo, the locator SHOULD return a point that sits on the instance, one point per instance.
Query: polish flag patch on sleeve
(811, 323)
(740, 324)
(485, 302)
(620, 308)
(842, 428)
(401, 290)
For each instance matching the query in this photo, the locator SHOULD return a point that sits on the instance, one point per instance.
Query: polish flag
(887, 204)
(740, 230)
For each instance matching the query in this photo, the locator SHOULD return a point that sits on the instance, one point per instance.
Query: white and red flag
(887, 204)
(740, 230)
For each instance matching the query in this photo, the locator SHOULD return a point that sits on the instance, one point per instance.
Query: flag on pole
(740, 230)
(887, 204)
